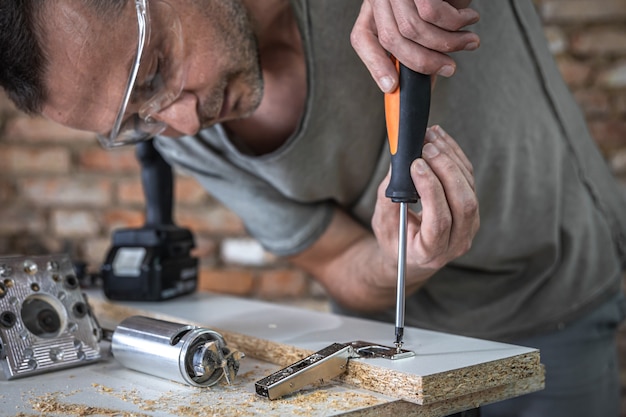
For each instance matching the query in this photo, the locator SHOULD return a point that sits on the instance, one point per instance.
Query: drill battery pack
(151, 263)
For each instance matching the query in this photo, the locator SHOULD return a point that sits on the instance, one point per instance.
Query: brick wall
(61, 192)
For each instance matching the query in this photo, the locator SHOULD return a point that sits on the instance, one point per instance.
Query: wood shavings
(102, 388)
(49, 404)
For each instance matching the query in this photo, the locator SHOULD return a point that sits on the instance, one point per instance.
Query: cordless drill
(153, 262)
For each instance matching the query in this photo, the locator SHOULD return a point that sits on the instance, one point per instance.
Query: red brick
(94, 251)
(23, 128)
(6, 245)
(118, 218)
(74, 223)
(30, 160)
(66, 191)
(283, 283)
(226, 281)
(31, 244)
(619, 103)
(130, 191)
(188, 191)
(575, 73)
(215, 219)
(582, 11)
(17, 218)
(610, 135)
(205, 250)
(593, 102)
(603, 40)
(118, 161)
(7, 190)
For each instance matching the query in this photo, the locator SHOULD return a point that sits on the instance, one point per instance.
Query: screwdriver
(406, 114)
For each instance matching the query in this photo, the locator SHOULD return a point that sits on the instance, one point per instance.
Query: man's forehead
(88, 62)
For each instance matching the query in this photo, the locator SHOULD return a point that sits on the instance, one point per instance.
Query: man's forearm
(366, 281)
(348, 262)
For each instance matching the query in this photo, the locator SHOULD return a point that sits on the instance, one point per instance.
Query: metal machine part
(182, 353)
(45, 321)
(369, 350)
(322, 366)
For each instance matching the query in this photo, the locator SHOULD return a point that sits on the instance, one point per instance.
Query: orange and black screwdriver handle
(406, 113)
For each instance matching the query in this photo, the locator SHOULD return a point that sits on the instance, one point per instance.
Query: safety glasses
(156, 78)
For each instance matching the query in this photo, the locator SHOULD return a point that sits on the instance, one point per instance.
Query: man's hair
(22, 57)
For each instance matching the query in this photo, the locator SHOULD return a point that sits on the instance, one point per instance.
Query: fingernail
(431, 135)
(430, 150)
(386, 83)
(446, 71)
(471, 46)
(420, 166)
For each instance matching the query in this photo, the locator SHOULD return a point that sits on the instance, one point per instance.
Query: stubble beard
(240, 46)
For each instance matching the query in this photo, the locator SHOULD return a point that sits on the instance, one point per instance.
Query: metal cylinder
(169, 350)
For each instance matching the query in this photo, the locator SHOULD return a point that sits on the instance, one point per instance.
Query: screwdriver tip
(399, 336)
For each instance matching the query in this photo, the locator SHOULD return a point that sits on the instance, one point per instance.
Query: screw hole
(71, 282)
(80, 310)
(8, 319)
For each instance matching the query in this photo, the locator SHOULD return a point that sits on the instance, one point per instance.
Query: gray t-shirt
(552, 217)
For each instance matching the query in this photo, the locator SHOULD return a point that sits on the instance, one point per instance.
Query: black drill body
(153, 262)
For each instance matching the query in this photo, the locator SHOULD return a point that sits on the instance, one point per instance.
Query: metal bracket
(322, 366)
(370, 350)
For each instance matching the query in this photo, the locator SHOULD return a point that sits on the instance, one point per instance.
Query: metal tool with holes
(45, 321)
(188, 354)
(46, 324)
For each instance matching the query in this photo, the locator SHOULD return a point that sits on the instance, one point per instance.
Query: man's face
(89, 61)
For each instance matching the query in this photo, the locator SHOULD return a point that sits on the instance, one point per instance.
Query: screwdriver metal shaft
(401, 276)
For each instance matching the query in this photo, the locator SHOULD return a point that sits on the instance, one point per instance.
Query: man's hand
(359, 269)
(449, 219)
(420, 33)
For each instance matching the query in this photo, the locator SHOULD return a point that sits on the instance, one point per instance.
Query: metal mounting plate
(371, 350)
(322, 366)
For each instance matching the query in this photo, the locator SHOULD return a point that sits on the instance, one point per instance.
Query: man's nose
(181, 116)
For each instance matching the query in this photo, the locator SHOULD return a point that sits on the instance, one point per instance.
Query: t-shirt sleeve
(282, 225)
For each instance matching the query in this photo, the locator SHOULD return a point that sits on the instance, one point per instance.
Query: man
(294, 143)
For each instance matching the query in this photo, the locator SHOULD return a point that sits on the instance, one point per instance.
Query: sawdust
(131, 396)
(48, 404)
(102, 388)
(312, 403)
(203, 403)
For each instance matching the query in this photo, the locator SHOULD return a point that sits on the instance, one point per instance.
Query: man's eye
(149, 86)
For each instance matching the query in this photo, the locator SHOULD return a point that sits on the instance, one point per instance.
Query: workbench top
(448, 373)
(108, 389)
